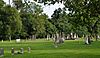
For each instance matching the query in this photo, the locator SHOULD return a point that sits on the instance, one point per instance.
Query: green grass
(46, 49)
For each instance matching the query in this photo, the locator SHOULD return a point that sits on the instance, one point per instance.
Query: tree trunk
(9, 2)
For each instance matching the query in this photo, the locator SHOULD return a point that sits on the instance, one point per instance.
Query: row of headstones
(13, 52)
(69, 36)
(58, 39)
(53, 36)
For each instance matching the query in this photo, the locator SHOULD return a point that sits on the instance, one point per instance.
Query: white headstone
(98, 36)
(86, 40)
(2, 40)
(75, 36)
(17, 40)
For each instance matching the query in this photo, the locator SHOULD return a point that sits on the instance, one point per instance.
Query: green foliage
(18, 4)
(83, 18)
(34, 20)
(10, 21)
(1, 3)
(27, 23)
(85, 13)
(50, 28)
(61, 21)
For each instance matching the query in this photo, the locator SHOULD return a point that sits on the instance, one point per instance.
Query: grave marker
(17, 40)
(22, 50)
(2, 40)
(12, 51)
(29, 49)
(1, 52)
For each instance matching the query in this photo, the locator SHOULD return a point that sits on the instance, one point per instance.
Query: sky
(49, 10)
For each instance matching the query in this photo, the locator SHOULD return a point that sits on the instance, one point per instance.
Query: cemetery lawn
(45, 49)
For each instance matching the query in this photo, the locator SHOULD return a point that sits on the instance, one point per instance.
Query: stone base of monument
(17, 52)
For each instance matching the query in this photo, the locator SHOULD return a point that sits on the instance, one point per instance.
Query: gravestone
(48, 37)
(29, 49)
(33, 37)
(98, 36)
(2, 40)
(1, 52)
(22, 50)
(17, 40)
(12, 51)
(87, 40)
(75, 36)
(61, 40)
(68, 37)
(71, 35)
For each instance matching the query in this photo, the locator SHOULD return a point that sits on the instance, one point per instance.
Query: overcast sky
(47, 9)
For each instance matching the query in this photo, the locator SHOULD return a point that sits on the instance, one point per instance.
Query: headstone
(22, 50)
(2, 40)
(48, 37)
(75, 36)
(1, 52)
(98, 36)
(29, 49)
(87, 40)
(12, 51)
(72, 36)
(30, 37)
(68, 36)
(62, 40)
(33, 37)
(17, 40)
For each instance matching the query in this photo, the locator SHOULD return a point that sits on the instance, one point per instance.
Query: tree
(10, 21)
(39, 25)
(33, 19)
(50, 28)
(85, 13)
(60, 20)
(1, 23)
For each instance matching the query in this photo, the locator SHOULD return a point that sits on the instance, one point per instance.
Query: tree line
(27, 20)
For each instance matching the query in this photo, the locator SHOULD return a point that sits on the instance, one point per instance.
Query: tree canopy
(27, 19)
